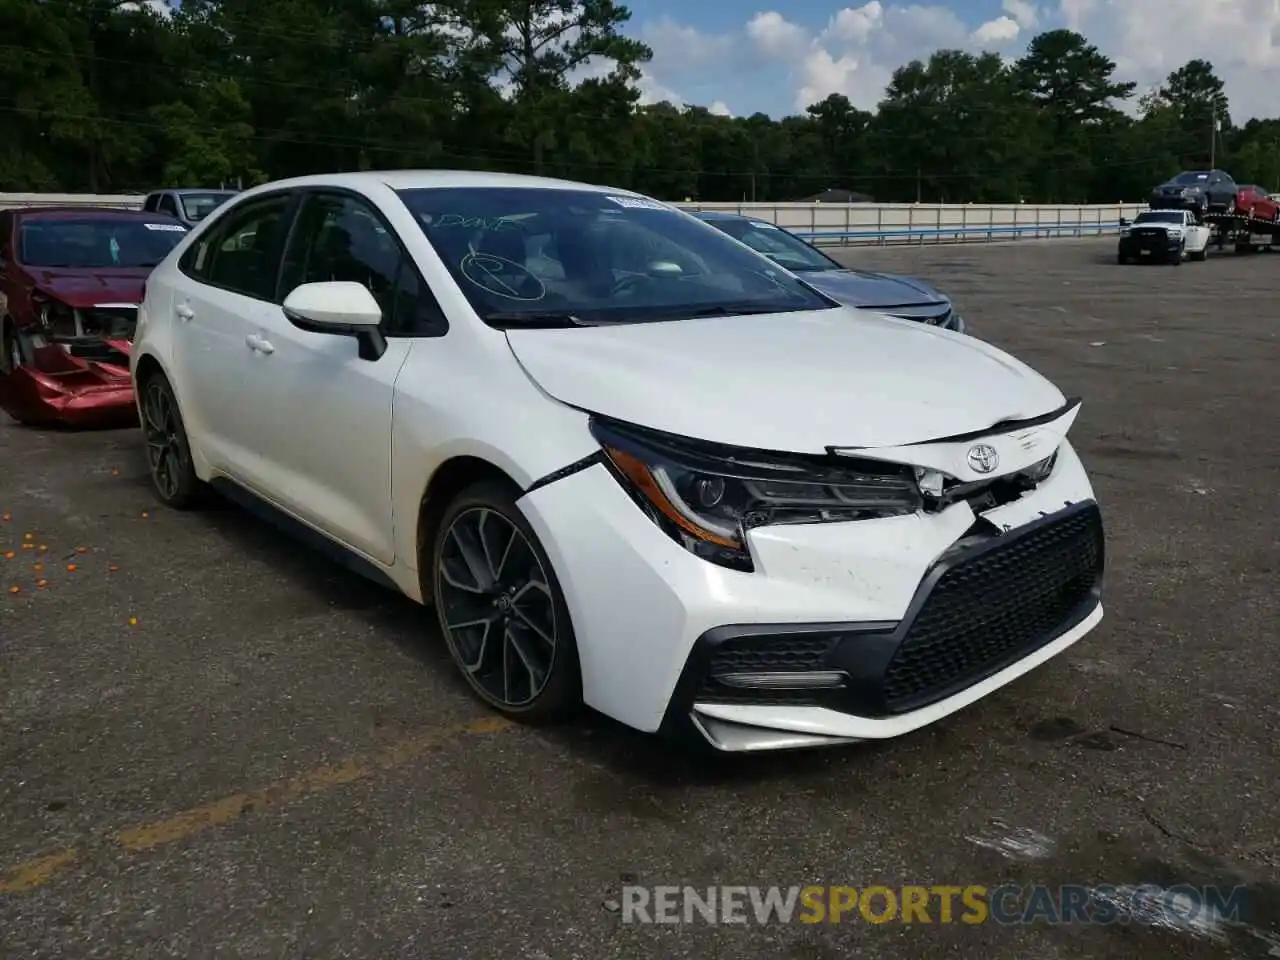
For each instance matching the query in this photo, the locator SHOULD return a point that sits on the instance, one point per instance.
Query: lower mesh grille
(997, 607)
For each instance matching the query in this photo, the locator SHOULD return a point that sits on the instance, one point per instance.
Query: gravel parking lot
(216, 744)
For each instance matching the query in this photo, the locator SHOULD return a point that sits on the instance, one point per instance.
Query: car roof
(710, 215)
(81, 213)
(214, 191)
(421, 179)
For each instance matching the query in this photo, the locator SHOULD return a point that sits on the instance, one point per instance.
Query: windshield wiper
(546, 319)
(722, 310)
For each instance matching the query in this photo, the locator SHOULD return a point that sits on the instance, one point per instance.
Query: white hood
(797, 382)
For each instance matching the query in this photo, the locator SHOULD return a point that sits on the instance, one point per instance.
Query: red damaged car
(1254, 201)
(71, 280)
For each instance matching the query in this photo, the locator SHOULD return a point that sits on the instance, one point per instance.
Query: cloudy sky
(740, 56)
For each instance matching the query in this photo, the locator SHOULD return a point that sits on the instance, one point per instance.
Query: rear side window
(152, 203)
(242, 253)
(167, 206)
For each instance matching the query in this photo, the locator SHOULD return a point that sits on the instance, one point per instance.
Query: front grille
(764, 654)
(995, 608)
(1154, 235)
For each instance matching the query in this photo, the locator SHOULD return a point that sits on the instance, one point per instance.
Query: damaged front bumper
(57, 387)
(843, 631)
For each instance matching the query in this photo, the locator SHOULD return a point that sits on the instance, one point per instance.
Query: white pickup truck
(1166, 235)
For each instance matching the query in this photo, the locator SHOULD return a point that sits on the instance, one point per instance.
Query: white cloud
(997, 32)
(160, 8)
(1241, 38)
(859, 46)
(1024, 14)
(776, 36)
(652, 91)
(720, 109)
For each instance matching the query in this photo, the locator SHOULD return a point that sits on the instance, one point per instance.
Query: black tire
(169, 464)
(488, 509)
(1121, 259)
(13, 351)
(1199, 255)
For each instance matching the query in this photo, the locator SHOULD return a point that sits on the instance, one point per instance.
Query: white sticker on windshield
(761, 225)
(173, 227)
(638, 203)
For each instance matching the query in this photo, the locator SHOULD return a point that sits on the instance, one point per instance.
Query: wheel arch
(449, 479)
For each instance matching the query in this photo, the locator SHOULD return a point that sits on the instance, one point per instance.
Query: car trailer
(1247, 234)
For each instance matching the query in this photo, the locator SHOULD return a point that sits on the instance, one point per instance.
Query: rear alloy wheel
(173, 474)
(501, 609)
(14, 356)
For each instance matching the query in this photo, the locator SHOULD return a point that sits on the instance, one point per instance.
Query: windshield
(96, 243)
(1194, 176)
(561, 257)
(1171, 216)
(778, 245)
(197, 206)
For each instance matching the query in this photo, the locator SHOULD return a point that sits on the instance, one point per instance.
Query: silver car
(897, 296)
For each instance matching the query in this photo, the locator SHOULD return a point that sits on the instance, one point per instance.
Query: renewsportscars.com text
(968, 904)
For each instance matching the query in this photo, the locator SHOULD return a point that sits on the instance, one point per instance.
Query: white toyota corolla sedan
(627, 459)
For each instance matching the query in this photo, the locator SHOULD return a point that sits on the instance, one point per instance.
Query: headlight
(1125, 231)
(53, 313)
(707, 497)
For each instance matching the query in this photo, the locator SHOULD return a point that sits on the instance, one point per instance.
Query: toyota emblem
(982, 458)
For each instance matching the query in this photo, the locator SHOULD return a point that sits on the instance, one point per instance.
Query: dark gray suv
(1200, 191)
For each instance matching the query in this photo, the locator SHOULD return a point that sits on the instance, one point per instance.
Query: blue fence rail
(939, 234)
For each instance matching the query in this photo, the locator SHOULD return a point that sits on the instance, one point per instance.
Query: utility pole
(1213, 138)
(755, 165)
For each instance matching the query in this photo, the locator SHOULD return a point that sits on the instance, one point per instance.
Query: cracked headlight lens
(706, 496)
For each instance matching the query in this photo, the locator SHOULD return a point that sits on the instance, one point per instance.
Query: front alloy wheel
(501, 609)
(173, 475)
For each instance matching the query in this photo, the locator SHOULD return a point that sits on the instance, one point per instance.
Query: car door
(224, 290)
(1222, 190)
(168, 205)
(331, 434)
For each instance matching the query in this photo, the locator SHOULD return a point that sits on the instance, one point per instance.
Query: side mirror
(340, 308)
(1124, 222)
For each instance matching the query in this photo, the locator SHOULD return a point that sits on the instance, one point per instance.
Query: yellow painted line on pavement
(36, 873)
(148, 836)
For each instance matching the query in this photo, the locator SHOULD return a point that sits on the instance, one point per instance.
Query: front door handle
(255, 342)
(184, 312)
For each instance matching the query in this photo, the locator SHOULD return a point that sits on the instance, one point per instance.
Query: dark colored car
(887, 293)
(71, 280)
(1200, 191)
(186, 206)
(1254, 201)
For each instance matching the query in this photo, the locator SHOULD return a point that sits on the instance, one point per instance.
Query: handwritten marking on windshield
(491, 273)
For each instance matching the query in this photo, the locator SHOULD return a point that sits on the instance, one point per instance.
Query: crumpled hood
(860, 288)
(1180, 187)
(796, 382)
(85, 288)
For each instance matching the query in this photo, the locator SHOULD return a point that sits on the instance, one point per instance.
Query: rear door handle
(184, 312)
(255, 342)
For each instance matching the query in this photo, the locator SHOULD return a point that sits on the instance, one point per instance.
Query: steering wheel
(629, 284)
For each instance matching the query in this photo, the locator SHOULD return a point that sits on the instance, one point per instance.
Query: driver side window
(339, 237)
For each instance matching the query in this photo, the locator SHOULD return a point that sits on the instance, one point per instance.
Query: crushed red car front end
(56, 386)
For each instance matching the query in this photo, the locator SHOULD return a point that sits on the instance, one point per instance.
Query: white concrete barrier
(837, 224)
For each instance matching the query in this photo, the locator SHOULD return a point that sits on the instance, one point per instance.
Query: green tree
(1072, 86)
(1197, 98)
